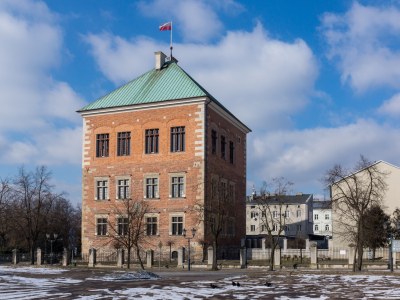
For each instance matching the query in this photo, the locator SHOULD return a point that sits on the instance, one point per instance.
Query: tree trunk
(272, 257)
(360, 257)
(214, 266)
(32, 250)
(140, 259)
(129, 258)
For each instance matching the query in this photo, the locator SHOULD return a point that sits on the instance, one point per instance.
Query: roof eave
(134, 107)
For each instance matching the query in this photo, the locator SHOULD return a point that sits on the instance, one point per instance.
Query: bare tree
(33, 198)
(129, 228)
(5, 199)
(273, 212)
(353, 192)
(65, 220)
(216, 214)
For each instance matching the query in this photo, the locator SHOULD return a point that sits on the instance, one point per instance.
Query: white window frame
(107, 188)
(157, 191)
(153, 215)
(117, 223)
(117, 179)
(97, 217)
(171, 225)
(171, 183)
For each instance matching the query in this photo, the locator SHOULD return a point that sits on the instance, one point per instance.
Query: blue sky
(317, 81)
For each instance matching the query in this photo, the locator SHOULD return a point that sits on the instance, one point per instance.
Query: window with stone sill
(177, 186)
(151, 225)
(101, 189)
(176, 225)
(101, 226)
(123, 188)
(122, 226)
(151, 188)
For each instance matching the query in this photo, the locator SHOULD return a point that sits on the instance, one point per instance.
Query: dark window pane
(102, 145)
(151, 141)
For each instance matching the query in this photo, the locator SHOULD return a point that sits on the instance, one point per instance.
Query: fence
(343, 254)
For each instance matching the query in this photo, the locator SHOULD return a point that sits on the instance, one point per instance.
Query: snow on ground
(29, 283)
(140, 275)
(31, 270)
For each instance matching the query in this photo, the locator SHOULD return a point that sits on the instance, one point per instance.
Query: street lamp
(52, 240)
(189, 238)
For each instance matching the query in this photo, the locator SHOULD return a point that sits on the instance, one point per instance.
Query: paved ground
(83, 283)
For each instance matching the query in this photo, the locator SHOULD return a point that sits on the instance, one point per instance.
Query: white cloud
(391, 107)
(54, 146)
(282, 74)
(305, 155)
(364, 43)
(121, 60)
(37, 110)
(196, 20)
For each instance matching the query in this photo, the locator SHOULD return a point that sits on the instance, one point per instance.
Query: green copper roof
(168, 83)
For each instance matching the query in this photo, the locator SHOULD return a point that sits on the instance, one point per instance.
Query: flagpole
(170, 46)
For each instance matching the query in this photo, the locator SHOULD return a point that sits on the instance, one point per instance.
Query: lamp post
(390, 253)
(189, 238)
(52, 240)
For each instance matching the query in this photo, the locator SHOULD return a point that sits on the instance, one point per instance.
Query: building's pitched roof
(168, 83)
(322, 204)
(369, 166)
(283, 199)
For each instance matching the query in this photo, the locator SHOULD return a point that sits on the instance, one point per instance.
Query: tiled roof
(169, 83)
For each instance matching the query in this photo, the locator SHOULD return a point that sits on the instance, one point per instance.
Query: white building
(322, 218)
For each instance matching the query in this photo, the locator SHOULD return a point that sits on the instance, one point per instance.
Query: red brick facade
(197, 164)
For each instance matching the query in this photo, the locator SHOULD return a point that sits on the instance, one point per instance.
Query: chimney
(160, 59)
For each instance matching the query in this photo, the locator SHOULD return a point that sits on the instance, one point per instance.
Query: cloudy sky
(318, 82)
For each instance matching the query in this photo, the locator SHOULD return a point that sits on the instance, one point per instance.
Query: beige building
(391, 200)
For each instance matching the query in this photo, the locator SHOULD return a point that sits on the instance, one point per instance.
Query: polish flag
(166, 26)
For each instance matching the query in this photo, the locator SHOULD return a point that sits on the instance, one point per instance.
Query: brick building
(163, 138)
